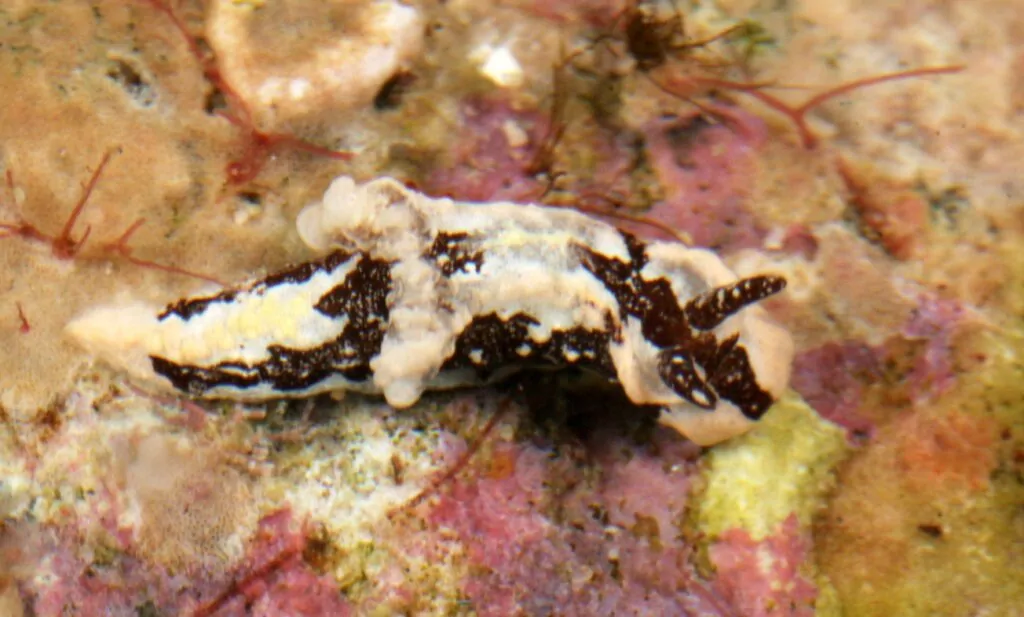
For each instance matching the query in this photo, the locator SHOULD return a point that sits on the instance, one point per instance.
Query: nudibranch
(413, 293)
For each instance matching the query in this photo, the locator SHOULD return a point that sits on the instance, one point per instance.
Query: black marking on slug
(653, 303)
(361, 299)
(729, 374)
(708, 310)
(734, 380)
(489, 343)
(301, 273)
(693, 363)
(188, 308)
(196, 380)
(298, 274)
(677, 369)
(451, 253)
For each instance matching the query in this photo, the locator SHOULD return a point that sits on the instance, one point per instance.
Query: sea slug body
(414, 293)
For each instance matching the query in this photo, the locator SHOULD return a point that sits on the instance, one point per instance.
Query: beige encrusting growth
(289, 63)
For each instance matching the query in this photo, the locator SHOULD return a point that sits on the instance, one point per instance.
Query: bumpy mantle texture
(416, 293)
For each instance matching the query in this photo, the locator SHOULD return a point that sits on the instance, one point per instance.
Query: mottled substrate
(901, 234)
(200, 517)
(763, 491)
(929, 515)
(115, 508)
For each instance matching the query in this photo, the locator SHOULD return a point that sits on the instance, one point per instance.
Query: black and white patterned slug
(414, 294)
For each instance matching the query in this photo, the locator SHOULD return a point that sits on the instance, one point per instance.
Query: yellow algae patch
(783, 466)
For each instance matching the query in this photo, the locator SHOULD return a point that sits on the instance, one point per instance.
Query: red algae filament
(261, 145)
(120, 247)
(798, 114)
(25, 326)
(65, 247)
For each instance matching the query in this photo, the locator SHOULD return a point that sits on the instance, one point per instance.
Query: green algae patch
(783, 466)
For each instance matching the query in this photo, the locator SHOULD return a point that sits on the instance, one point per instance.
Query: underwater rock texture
(888, 482)
(301, 60)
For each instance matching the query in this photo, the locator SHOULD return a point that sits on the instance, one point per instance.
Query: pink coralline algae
(603, 13)
(488, 162)
(762, 578)
(272, 580)
(935, 321)
(705, 170)
(832, 379)
(77, 585)
(545, 538)
(511, 154)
